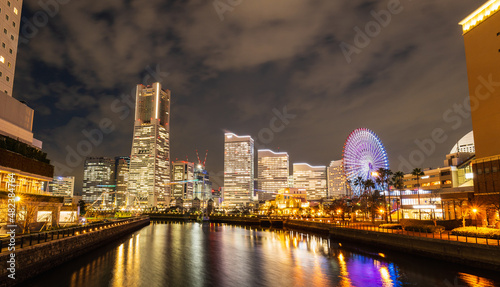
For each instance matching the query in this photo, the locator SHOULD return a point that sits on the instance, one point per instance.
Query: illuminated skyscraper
(99, 181)
(202, 185)
(149, 174)
(62, 186)
(312, 178)
(182, 180)
(337, 186)
(122, 164)
(481, 34)
(272, 170)
(10, 15)
(238, 169)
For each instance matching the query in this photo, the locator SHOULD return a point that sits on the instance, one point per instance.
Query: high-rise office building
(149, 174)
(337, 186)
(122, 164)
(238, 169)
(16, 118)
(182, 180)
(481, 34)
(99, 181)
(272, 170)
(62, 186)
(10, 15)
(312, 178)
(202, 186)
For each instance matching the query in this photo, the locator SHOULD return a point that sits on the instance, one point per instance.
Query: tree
(359, 182)
(369, 185)
(384, 180)
(417, 172)
(81, 204)
(398, 183)
(376, 201)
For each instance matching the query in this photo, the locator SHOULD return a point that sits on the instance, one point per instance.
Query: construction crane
(204, 161)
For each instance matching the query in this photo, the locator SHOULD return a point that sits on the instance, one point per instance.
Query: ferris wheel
(363, 154)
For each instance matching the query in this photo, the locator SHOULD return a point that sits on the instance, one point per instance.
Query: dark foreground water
(191, 254)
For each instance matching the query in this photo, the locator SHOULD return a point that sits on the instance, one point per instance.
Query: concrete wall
(33, 260)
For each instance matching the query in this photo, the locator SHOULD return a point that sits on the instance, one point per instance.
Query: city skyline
(221, 99)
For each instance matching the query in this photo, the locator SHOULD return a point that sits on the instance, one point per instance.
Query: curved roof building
(465, 144)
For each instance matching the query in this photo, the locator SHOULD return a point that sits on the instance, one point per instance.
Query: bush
(425, 228)
(482, 232)
(448, 224)
(390, 226)
(421, 226)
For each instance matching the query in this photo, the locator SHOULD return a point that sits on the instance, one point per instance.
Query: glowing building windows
(2, 59)
(15, 11)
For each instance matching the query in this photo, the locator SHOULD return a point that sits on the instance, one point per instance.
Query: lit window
(2, 59)
(8, 64)
(15, 10)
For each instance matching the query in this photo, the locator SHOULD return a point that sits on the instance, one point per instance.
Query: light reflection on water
(190, 254)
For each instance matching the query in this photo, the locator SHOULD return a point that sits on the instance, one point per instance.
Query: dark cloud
(232, 74)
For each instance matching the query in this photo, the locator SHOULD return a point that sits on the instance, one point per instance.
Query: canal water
(193, 254)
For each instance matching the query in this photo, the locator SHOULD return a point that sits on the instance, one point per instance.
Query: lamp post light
(474, 210)
(382, 213)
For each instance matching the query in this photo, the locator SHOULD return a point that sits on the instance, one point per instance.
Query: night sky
(232, 68)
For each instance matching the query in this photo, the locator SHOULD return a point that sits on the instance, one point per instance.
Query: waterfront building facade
(238, 170)
(312, 178)
(99, 181)
(272, 171)
(149, 174)
(481, 36)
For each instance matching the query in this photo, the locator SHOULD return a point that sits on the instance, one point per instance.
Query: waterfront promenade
(445, 235)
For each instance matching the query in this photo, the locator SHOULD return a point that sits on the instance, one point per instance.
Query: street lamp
(381, 213)
(474, 210)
